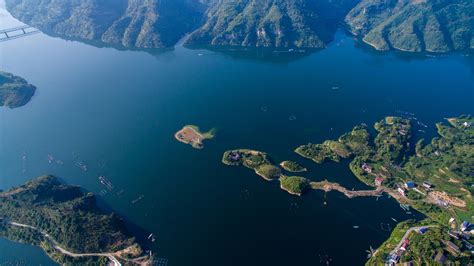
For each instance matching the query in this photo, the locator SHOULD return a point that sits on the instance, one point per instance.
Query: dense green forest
(411, 25)
(414, 26)
(69, 215)
(14, 91)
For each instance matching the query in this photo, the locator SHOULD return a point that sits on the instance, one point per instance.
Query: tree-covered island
(295, 185)
(293, 167)
(255, 160)
(14, 91)
(67, 224)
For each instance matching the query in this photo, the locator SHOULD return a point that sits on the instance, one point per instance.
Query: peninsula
(14, 91)
(193, 136)
(67, 224)
(435, 179)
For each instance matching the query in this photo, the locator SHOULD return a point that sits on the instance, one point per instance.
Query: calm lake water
(118, 111)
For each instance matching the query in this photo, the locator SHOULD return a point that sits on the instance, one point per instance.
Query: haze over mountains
(408, 25)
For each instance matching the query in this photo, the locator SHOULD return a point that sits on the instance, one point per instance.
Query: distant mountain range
(407, 25)
(414, 25)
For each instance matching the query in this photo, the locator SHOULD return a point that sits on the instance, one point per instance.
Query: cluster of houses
(394, 257)
(466, 230)
(464, 234)
(369, 169)
(403, 130)
(412, 185)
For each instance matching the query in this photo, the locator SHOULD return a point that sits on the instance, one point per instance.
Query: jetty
(330, 186)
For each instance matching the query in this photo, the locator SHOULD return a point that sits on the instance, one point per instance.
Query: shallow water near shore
(118, 111)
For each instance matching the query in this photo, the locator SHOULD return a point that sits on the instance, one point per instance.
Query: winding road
(407, 233)
(108, 255)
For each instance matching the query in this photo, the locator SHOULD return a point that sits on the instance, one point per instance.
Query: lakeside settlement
(436, 180)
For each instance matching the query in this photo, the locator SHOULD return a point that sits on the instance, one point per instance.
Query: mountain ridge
(436, 26)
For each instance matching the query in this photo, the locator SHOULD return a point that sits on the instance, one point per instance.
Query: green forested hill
(128, 23)
(67, 214)
(270, 23)
(14, 91)
(414, 25)
(406, 25)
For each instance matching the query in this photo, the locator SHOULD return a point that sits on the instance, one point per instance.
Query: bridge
(17, 32)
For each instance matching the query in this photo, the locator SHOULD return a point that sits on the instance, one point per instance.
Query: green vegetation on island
(14, 91)
(248, 158)
(256, 160)
(295, 185)
(414, 26)
(293, 167)
(61, 219)
(345, 147)
(268, 171)
(436, 180)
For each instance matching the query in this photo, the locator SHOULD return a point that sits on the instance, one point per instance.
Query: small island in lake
(293, 167)
(14, 91)
(193, 136)
(66, 222)
(295, 185)
(256, 160)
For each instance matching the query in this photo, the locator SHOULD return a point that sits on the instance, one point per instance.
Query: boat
(50, 158)
(421, 124)
(81, 165)
(23, 163)
(151, 237)
(394, 219)
(104, 181)
(138, 199)
(405, 113)
(404, 207)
